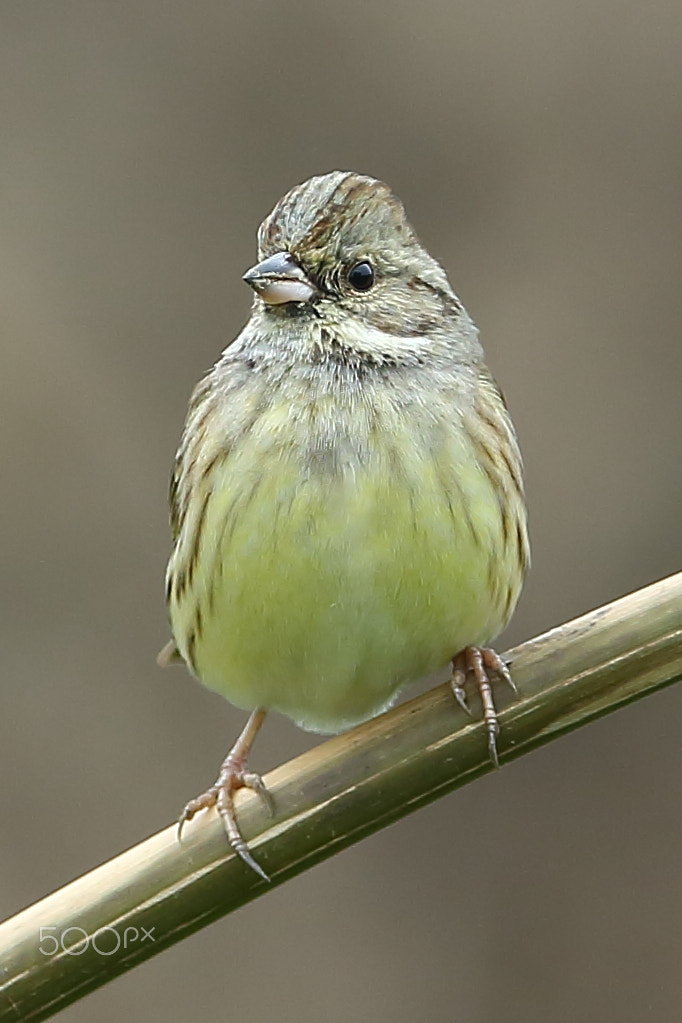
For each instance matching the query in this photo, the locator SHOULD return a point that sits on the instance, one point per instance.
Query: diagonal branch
(159, 892)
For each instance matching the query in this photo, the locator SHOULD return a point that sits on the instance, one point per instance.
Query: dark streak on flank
(199, 427)
(522, 542)
(486, 460)
(191, 651)
(507, 522)
(512, 468)
(463, 506)
(179, 582)
(175, 516)
(196, 539)
(219, 457)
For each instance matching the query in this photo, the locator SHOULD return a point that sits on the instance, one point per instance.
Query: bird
(347, 501)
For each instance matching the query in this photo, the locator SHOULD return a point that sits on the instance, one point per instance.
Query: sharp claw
(481, 663)
(221, 795)
(242, 851)
(493, 662)
(492, 750)
(459, 693)
(511, 683)
(202, 802)
(231, 780)
(233, 776)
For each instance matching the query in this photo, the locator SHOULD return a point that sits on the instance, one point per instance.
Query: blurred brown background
(537, 147)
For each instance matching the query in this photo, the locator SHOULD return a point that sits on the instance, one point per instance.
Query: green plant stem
(328, 798)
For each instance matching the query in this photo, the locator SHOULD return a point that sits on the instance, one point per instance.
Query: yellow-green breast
(320, 587)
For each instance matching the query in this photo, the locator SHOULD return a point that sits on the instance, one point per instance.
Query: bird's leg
(481, 663)
(233, 776)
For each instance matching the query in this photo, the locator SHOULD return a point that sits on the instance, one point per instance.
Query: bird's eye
(361, 276)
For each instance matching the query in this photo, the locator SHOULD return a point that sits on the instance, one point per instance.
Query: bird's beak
(279, 279)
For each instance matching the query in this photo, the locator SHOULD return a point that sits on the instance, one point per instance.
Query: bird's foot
(483, 665)
(233, 776)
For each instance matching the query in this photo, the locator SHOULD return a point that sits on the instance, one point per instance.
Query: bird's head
(339, 248)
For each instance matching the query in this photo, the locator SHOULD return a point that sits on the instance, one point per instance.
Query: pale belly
(321, 595)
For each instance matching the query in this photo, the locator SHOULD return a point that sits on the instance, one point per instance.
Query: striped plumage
(347, 500)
